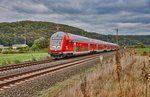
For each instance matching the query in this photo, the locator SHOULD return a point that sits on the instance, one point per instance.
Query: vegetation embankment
(125, 75)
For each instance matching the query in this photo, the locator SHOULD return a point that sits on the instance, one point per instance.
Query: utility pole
(25, 42)
(25, 34)
(57, 27)
(117, 36)
(82, 33)
(124, 41)
(14, 38)
(107, 37)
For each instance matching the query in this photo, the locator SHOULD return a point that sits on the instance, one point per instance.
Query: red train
(65, 44)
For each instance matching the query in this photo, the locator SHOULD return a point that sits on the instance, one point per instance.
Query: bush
(0, 50)
(23, 49)
(4, 63)
(40, 43)
(33, 58)
(139, 45)
(7, 51)
(9, 62)
(19, 50)
(144, 53)
(35, 47)
(16, 61)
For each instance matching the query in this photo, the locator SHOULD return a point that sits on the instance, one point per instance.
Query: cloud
(100, 16)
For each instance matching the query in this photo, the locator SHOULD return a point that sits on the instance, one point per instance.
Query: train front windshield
(56, 41)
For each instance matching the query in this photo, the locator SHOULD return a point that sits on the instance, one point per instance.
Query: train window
(67, 42)
(71, 42)
(56, 41)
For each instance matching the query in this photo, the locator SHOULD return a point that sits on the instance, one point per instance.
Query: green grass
(141, 50)
(18, 58)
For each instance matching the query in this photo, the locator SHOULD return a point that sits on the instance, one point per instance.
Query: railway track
(15, 66)
(11, 80)
(21, 65)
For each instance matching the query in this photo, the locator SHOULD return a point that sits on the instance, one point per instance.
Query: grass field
(18, 58)
(141, 50)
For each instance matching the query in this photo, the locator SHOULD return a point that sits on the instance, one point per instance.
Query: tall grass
(118, 71)
(145, 75)
(124, 75)
(83, 86)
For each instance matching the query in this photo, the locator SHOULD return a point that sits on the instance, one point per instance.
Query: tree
(40, 43)
(140, 45)
(35, 47)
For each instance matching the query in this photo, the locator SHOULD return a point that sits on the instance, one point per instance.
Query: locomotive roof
(79, 38)
(59, 33)
(85, 39)
(82, 38)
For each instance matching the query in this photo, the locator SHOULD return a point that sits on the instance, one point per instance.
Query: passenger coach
(65, 44)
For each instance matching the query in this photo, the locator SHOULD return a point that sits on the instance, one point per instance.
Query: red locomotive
(65, 44)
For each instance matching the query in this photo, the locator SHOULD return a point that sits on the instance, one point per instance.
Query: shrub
(16, 61)
(144, 53)
(35, 47)
(0, 50)
(7, 51)
(40, 43)
(4, 63)
(23, 49)
(33, 58)
(8, 62)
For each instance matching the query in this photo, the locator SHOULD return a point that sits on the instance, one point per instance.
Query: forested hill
(15, 32)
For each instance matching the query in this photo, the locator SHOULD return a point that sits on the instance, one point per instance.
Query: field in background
(142, 50)
(22, 57)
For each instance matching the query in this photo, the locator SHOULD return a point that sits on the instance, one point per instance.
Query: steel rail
(21, 65)
(15, 66)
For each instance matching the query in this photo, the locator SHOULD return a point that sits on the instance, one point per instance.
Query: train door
(75, 47)
(96, 47)
(88, 46)
(71, 45)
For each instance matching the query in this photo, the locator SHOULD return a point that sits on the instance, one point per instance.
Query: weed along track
(13, 79)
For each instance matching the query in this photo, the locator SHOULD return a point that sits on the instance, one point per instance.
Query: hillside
(16, 32)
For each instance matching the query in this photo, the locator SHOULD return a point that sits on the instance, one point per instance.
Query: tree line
(28, 31)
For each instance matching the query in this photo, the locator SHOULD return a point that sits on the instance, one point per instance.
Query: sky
(131, 17)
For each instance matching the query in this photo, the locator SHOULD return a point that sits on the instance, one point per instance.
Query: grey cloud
(91, 15)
